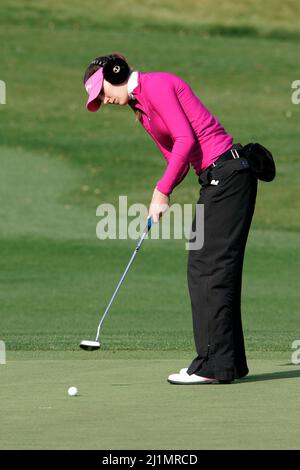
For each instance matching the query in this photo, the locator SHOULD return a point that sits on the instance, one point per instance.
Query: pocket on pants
(225, 171)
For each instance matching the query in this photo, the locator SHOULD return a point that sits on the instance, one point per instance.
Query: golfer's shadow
(289, 374)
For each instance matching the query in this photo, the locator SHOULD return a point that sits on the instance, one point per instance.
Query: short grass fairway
(124, 402)
(59, 162)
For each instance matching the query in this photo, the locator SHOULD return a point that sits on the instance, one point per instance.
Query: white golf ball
(72, 391)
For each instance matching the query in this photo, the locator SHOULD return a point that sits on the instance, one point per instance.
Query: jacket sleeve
(167, 154)
(166, 104)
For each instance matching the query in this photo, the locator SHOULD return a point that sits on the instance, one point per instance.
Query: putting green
(126, 403)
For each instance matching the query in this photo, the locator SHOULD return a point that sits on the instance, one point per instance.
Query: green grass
(125, 403)
(60, 289)
(249, 15)
(59, 162)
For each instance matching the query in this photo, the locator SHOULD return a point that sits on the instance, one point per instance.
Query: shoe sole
(218, 382)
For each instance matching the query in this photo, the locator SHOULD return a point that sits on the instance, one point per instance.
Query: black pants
(215, 270)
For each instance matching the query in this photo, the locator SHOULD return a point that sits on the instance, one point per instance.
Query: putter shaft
(146, 230)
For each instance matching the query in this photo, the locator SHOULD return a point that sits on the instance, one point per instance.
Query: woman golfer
(188, 134)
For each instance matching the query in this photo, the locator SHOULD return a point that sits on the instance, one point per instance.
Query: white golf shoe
(185, 379)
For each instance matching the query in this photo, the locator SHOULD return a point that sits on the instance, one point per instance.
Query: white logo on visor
(88, 87)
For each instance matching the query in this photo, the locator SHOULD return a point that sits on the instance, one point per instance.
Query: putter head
(88, 345)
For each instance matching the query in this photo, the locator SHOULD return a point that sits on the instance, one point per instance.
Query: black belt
(234, 152)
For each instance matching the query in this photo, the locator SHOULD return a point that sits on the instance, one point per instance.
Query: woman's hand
(159, 205)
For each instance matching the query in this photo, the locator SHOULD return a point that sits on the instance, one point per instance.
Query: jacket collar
(132, 83)
(138, 94)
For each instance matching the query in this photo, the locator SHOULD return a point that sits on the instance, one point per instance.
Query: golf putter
(89, 345)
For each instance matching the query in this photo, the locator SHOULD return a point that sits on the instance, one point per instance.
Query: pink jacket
(182, 127)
